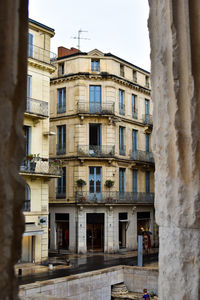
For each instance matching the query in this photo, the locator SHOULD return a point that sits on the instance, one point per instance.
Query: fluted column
(174, 27)
(13, 66)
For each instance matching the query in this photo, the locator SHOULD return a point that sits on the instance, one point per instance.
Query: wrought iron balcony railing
(114, 197)
(43, 166)
(27, 205)
(122, 109)
(41, 54)
(147, 119)
(37, 107)
(140, 155)
(61, 149)
(107, 108)
(96, 151)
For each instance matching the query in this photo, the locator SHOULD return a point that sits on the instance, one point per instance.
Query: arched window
(27, 203)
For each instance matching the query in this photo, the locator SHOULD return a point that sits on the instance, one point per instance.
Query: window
(122, 180)
(27, 135)
(27, 202)
(147, 182)
(134, 106)
(61, 185)
(134, 76)
(61, 69)
(121, 102)
(30, 45)
(147, 142)
(95, 65)
(135, 177)
(147, 81)
(95, 99)
(121, 141)
(134, 141)
(28, 92)
(122, 70)
(61, 139)
(61, 105)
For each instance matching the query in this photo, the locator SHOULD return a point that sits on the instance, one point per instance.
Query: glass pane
(91, 170)
(98, 186)
(91, 186)
(98, 170)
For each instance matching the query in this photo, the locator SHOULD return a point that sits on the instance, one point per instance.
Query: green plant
(80, 183)
(58, 162)
(109, 183)
(32, 156)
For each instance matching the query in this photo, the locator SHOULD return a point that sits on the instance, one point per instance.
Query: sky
(116, 26)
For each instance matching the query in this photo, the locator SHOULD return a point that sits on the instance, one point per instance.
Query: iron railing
(114, 197)
(122, 109)
(122, 150)
(147, 119)
(107, 108)
(61, 149)
(37, 107)
(27, 205)
(96, 151)
(41, 54)
(39, 165)
(140, 155)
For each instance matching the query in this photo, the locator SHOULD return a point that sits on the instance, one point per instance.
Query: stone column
(13, 64)
(175, 42)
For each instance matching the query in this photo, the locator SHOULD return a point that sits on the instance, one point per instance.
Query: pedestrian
(146, 295)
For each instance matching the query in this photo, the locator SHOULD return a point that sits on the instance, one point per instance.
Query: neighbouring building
(101, 111)
(36, 168)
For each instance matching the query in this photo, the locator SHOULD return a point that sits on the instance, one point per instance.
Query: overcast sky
(116, 26)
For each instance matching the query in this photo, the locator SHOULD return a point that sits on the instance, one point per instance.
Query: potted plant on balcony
(31, 159)
(109, 184)
(80, 183)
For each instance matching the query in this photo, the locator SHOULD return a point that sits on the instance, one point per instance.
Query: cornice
(100, 77)
(41, 65)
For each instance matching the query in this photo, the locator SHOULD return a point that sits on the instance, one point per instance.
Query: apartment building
(101, 112)
(36, 168)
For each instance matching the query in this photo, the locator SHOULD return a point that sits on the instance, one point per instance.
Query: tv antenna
(79, 38)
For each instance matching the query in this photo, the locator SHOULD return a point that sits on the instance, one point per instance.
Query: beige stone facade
(101, 113)
(36, 167)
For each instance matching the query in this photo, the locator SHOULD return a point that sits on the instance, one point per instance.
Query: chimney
(62, 51)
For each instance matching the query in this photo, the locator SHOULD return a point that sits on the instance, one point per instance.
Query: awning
(32, 229)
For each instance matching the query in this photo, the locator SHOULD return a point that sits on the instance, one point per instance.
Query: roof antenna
(79, 38)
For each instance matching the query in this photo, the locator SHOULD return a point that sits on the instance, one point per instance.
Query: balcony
(96, 151)
(61, 149)
(147, 119)
(41, 54)
(107, 108)
(37, 107)
(122, 109)
(41, 166)
(114, 198)
(140, 155)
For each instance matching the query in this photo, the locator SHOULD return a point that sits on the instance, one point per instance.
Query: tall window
(147, 182)
(61, 105)
(28, 100)
(95, 99)
(30, 45)
(61, 69)
(27, 135)
(61, 139)
(147, 142)
(147, 81)
(134, 106)
(27, 202)
(95, 65)
(121, 140)
(61, 185)
(122, 70)
(135, 181)
(134, 140)
(122, 180)
(121, 102)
